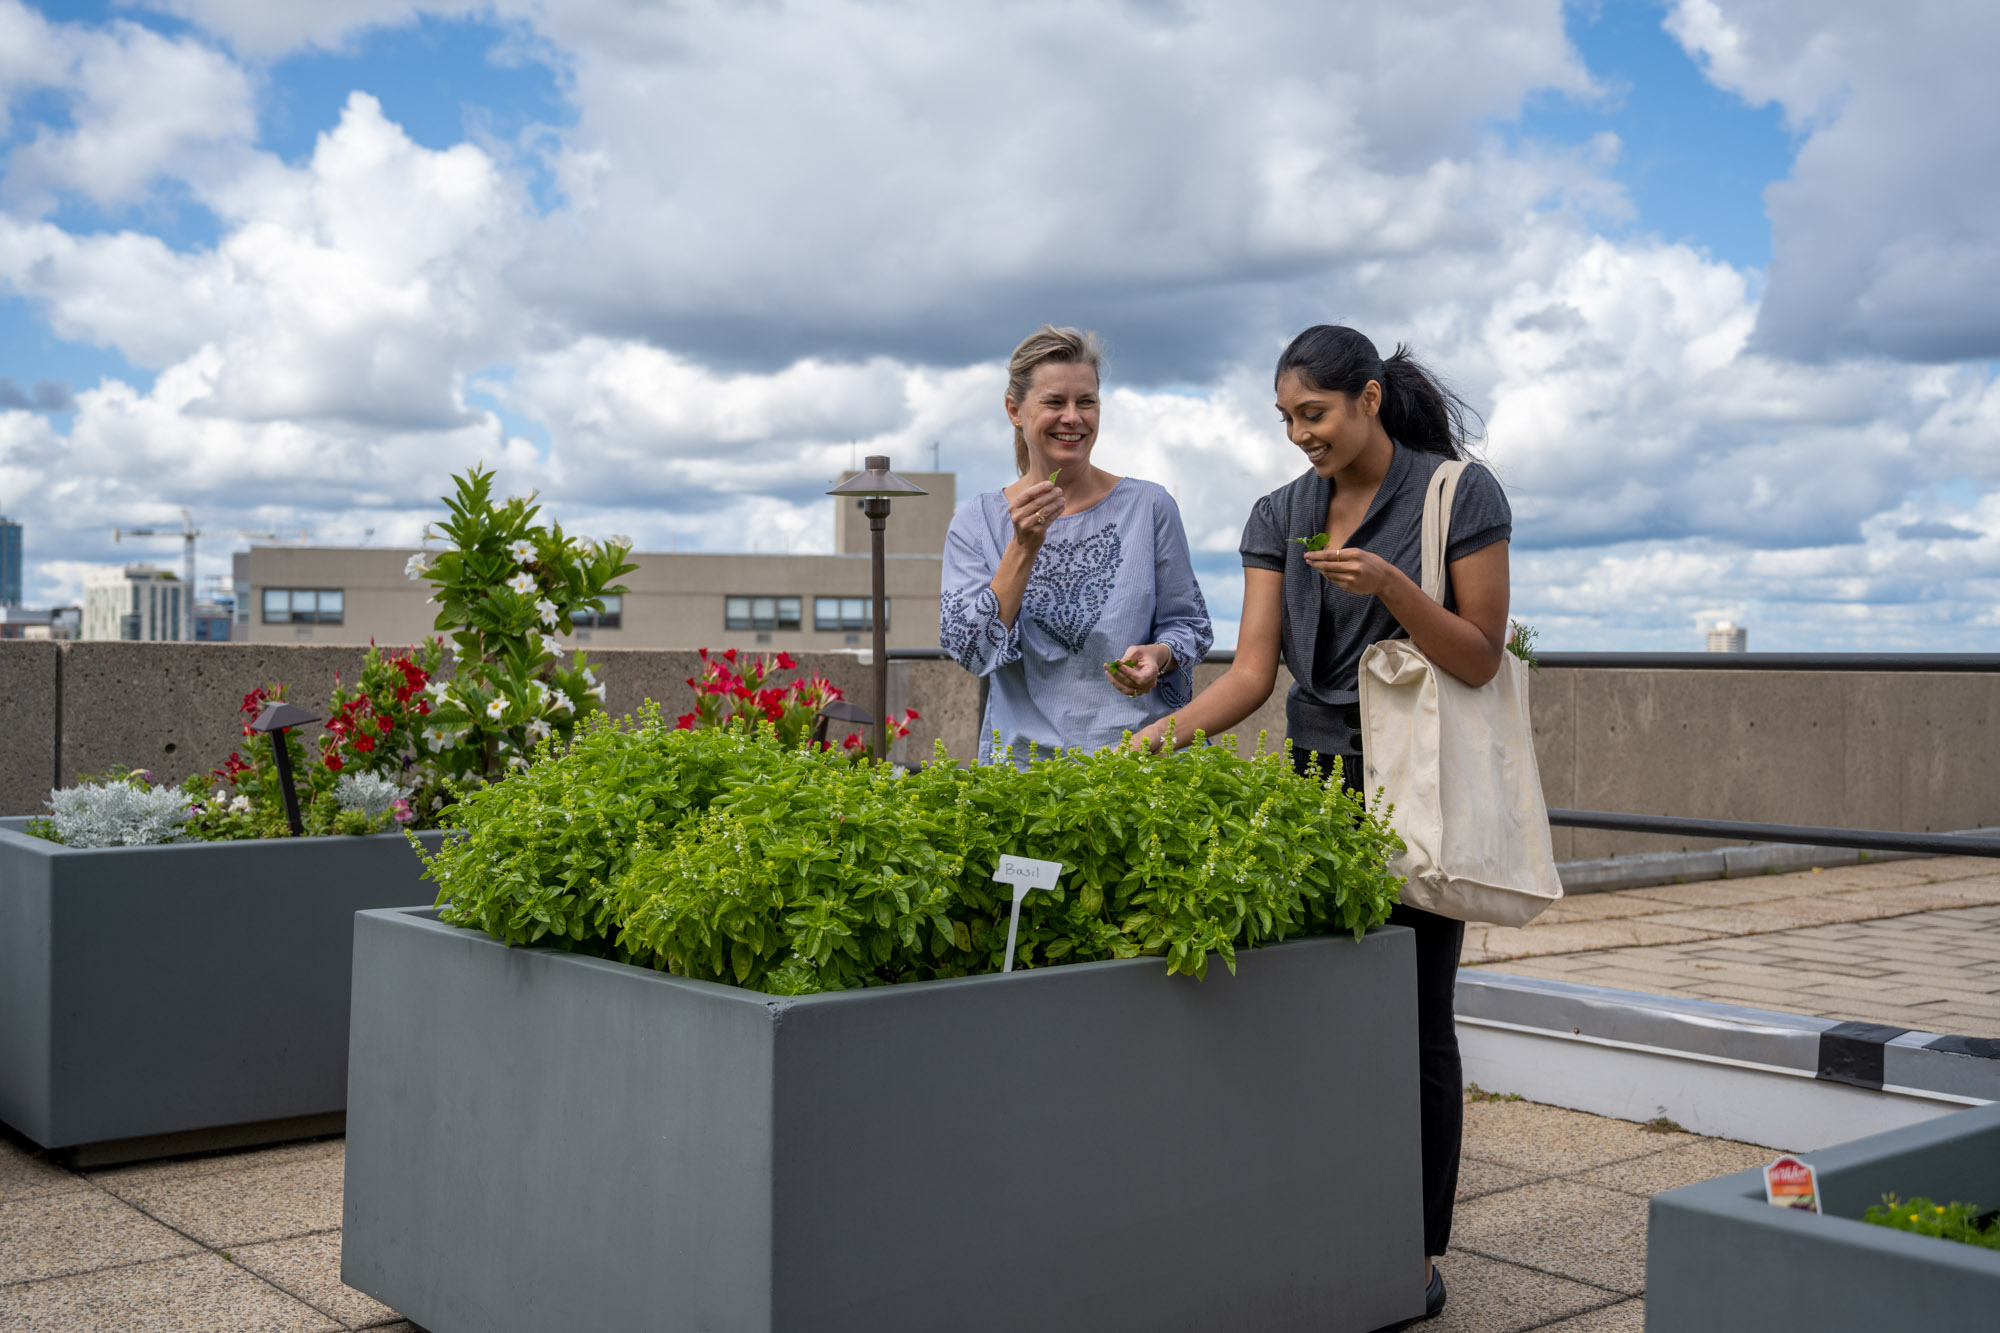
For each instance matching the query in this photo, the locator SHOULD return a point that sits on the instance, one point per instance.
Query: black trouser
(1441, 1094)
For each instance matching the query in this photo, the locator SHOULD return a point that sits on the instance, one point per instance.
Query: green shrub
(1947, 1221)
(724, 856)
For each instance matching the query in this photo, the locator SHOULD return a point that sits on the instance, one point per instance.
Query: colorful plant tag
(1025, 874)
(1790, 1183)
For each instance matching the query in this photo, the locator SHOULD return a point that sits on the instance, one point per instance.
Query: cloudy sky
(1724, 275)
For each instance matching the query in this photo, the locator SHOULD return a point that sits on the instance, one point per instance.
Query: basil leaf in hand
(1316, 542)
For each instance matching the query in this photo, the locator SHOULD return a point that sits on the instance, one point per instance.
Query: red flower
(364, 743)
(911, 715)
(853, 742)
(333, 762)
(384, 724)
(685, 722)
(786, 662)
(730, 657)
(702, 653)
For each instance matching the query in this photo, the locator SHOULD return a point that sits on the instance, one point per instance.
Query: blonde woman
(1071, 590)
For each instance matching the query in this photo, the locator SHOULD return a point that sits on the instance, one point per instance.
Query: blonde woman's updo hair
(1048, 343)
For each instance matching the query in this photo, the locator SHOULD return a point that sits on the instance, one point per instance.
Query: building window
(303, 606)
(846, 613)
(761, 612)
(612, 616)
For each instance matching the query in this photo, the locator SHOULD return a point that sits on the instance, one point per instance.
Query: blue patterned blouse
(1114, 575)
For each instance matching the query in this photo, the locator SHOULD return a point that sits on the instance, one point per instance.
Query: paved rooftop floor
(1915, 944)
(1550, 1233)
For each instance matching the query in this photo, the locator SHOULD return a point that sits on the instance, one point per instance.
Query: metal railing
(1869, 840)
(1955, 663)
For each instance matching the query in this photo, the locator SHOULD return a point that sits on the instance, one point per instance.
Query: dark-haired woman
(1373, 431)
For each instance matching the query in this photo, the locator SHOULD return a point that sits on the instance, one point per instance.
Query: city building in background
(1726, 637)
(10, 562)
(25, 622)
(137, 603)
(354, 595)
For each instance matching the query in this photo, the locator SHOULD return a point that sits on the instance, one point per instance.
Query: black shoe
(1433, 1302)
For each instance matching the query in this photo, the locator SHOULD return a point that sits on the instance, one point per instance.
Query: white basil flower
(523, 583)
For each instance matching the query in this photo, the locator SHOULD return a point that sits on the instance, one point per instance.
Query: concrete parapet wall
(1892, 750)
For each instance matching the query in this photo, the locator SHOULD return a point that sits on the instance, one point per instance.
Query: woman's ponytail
(1418, 410)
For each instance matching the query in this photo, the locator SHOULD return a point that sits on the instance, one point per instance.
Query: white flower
(589, 676)
(497, 709)
(619, 539)
(241, 805)
(518, 763)
(221, 796)
(546, 609)
(417, 565)
(523, 551)
(560, 703)
(523, 583)
(551, 645)
(538, 730)
(598, 690)
(541, 690)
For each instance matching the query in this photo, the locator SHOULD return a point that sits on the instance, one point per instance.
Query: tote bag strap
(1437, 525)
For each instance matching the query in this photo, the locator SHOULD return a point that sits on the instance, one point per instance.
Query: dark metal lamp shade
(279, 715)
(878, 480)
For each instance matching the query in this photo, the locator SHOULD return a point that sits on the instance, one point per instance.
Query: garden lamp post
(875, 488)
(278, 717)
(840, 710)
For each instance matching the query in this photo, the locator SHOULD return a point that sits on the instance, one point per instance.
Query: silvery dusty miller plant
(371, 794)
(116, 814)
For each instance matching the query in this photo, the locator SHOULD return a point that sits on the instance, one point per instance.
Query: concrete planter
(565, 1142)
(1718, 1257)
(162, 999)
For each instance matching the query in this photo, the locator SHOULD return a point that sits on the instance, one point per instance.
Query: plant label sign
(1025, 874)
(1790, 1183)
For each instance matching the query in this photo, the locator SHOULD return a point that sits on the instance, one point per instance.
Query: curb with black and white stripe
(1783, 1080)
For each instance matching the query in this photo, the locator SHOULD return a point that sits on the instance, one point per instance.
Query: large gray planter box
(160, 999)
(1720, 1258)
(565, 1142)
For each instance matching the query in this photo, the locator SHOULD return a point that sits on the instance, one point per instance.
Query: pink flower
(685, 722)
(403, 812)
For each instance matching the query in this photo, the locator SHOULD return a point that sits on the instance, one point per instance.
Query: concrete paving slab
(1575, 1230)
(24, 1176)
(53, 1234)
(1547, 1140)
(193, 1292)
(1684, 1164)
(308, 1267)
(255, 1202)
(1624, 1317)
(1719, 892)
(1485, 1295)
(1477, 1177)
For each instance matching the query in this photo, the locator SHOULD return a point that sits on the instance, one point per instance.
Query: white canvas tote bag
(1458, 764)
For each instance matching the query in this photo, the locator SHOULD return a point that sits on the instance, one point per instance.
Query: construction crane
(188, 532)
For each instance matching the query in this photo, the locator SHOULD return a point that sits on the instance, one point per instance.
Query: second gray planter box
(150, 994)
(565, 1142)
(1719, 1257)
